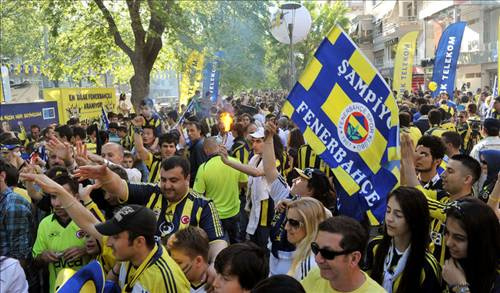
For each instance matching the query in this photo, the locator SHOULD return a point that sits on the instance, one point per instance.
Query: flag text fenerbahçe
(348, 115)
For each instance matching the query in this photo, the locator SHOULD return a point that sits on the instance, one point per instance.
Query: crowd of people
(230, 197)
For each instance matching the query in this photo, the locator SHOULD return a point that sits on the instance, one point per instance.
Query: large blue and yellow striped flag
(348, 115)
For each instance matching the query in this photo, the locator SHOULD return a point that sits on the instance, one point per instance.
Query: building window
(473, 75)
(378, 56)
(409, 9)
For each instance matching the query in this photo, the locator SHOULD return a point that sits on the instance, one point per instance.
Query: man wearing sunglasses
(338, 250)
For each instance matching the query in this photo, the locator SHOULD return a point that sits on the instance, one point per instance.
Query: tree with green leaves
(130, 39)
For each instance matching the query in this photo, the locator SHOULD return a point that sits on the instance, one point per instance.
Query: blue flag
(445, 62)
(349, 117)
(495, 88)
(104, 119)
(211, 77)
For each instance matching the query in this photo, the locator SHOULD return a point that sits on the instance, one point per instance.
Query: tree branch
(155, 30)
(135, 20)
(113, 29)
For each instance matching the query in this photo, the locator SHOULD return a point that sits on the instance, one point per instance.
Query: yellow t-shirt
(314, 283)
(22, 192)
(158, 273)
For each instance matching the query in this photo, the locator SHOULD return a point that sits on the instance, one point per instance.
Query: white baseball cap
(259, 133)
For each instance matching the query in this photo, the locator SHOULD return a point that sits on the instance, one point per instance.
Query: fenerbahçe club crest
(357, 127)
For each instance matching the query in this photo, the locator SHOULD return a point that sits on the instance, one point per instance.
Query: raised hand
(62, 149)
(270, 129)
(48, 185)
(223, 153)
(81, 155)
(90, 172)
(407, 148)
(138, 121)
(84, 192)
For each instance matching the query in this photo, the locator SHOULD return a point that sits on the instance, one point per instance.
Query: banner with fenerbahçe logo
(349, 117)
(403, 63)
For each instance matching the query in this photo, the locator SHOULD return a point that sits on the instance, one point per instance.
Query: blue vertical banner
(349, 117)
(445, 64)
(207, 72)
(211, 77)
(104, 119)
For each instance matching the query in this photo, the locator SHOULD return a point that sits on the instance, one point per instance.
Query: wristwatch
(460, 288)
(138, 129)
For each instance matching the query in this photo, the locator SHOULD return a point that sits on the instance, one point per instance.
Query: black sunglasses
(293, 223)
(326, 253)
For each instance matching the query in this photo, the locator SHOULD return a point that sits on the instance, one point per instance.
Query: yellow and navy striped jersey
(210, 122)
(309, 159)
(154, 164)
(284, 166)
(449, 126)
(437, 201)
(435, 130)
(430, 277)
(126, 143)
(157, 273)
(191, 210)
(105, 256)
(240, 150)
(155, 122)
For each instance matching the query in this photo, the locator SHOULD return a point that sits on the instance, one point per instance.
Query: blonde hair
(312, 212)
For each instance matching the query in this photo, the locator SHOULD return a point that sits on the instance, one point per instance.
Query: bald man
(113, 152)
(221, 183)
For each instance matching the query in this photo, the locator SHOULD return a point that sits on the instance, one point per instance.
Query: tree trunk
(139, 84)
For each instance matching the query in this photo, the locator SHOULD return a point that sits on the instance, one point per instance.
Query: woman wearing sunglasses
(472, 237)
(302, 220)
(399, 258)
(310, 183)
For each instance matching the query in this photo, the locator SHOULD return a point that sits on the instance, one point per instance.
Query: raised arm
(110, 181)
(82, 217)
(35, 194)
(139, 145)
(408, 174)
(247, 169)
(268, 156)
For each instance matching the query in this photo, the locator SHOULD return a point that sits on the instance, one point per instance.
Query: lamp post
(291, 8)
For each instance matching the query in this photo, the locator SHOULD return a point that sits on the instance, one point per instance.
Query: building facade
(378, 27)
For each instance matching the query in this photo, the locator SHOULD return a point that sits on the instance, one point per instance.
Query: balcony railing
(487, 54)
(391, 26)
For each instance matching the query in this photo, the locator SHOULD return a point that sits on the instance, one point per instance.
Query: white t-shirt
(259, 191)
(12, 277)
(304, 267)
(134, 175)
(283, 134)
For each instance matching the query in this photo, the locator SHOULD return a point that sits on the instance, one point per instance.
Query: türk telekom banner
(445, 64)
(211, 77)
(403, 64)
